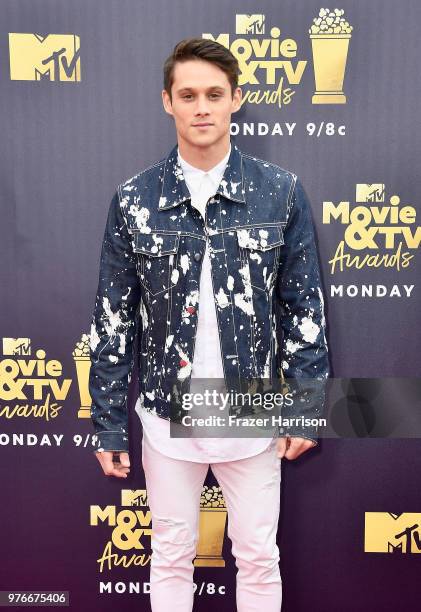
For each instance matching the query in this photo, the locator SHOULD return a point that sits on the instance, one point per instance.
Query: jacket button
(183, 362)
(198, 256)
(191, 309)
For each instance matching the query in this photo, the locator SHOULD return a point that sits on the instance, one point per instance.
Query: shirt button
(198, 256)
(191, 309)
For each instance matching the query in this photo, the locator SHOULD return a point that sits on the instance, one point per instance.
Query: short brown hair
(201, 48)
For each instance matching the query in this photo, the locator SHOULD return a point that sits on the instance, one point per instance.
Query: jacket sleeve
(113, 329)
(304, 349)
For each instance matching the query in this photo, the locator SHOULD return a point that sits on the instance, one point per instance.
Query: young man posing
(213, 251)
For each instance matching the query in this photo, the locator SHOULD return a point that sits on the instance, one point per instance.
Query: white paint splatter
(185, 263)
(309, 330)
(168, 342)
(222, 298)
(255, 255)
(234, 186)
(192, 298)
(158, 240)
(263, 237)
(244, 300)
(291, 346)
(124, 201)
(266, 371)
(141, 216)
(93, 337)
(245, 240)
(112, 321)
(245, 305)
(143, 315)
(174, 276)
(124, 297)
(184, 370)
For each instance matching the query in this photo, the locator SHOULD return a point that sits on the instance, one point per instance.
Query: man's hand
(291, 448)
(119, 467)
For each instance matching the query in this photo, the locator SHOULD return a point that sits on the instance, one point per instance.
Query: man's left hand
(293, 447)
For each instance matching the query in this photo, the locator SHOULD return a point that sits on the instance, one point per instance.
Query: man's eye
(188, 96)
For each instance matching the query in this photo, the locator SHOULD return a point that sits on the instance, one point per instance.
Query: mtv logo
(250, 24)
(133, 497)
(373, 192)
(34, 57)
(392, 533)
(16, 346)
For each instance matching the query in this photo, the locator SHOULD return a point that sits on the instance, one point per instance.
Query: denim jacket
(266, 286)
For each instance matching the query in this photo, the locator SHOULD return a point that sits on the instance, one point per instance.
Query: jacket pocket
(260, 249)
(157, 254)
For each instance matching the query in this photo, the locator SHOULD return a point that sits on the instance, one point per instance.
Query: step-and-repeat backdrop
(331, 93)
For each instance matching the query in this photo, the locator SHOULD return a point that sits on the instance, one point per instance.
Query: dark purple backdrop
(66, 146)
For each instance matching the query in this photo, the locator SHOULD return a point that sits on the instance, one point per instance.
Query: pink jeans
(251, 490)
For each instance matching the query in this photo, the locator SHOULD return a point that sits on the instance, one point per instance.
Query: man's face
(201, 94)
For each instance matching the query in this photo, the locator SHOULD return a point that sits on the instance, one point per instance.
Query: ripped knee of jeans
(173, 530)
(173, 542)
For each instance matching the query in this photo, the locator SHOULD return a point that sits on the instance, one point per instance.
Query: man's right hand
(119, 467)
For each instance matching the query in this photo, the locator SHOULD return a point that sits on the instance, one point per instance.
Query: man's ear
(238, 94)
(166, 102)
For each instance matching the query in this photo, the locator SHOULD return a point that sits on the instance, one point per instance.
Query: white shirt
(207, 360)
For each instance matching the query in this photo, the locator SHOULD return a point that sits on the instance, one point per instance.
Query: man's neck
(204, 158)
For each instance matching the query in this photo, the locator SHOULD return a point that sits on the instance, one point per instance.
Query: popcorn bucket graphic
(211, 529)
(329, 59)
(329, 34)
(83, 365)
(212, 520)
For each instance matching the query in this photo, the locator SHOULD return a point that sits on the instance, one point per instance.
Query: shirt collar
(215, 173)
(174, 189)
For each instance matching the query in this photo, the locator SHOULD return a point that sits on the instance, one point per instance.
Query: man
(213, 251)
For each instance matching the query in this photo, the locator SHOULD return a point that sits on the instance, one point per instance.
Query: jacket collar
(174, 188)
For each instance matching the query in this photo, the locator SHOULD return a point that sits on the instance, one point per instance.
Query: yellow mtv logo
(16, 346)
(390, 533)
(366, 192)
(250, 24)
(133, 497)
(33, 57)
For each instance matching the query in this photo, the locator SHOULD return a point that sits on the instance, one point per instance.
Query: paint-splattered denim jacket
(266, 286)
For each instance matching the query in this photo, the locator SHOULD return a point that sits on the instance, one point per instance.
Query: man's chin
(204, 140)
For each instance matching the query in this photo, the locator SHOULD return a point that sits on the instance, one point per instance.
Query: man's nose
(202, 106)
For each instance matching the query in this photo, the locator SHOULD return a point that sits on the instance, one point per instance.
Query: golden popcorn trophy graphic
(83, 364)
(212, 519)
(329, 34)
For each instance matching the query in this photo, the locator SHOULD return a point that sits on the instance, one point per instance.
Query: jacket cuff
(309, 433)
(110, 441)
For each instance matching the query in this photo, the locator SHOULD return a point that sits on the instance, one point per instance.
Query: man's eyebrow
(208, 89)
